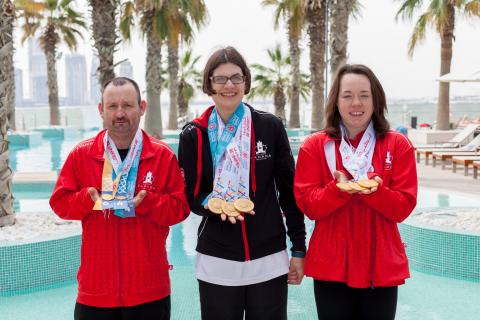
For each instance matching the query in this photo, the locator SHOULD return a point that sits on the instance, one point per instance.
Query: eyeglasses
(235, 79)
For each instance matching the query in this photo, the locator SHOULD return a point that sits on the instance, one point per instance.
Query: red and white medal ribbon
(358, 161)
(232, 172)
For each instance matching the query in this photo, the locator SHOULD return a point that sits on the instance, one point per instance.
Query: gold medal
(344, 186)
(244, 205)
(229, 209)
(368, 183)
(107, 196)
(98, 204)
(355, 186)
(215, 205)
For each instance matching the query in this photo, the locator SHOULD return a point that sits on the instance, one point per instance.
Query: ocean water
(87, 117)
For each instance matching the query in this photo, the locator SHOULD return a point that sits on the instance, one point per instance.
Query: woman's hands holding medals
(230, 210)
(363, 186)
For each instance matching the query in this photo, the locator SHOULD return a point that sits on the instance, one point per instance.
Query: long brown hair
(332, 115)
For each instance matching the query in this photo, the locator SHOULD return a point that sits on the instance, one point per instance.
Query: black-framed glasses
(235, 79)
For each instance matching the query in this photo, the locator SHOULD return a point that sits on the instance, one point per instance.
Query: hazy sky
(375, 39)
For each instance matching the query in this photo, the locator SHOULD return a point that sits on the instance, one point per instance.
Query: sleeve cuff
(298, 254)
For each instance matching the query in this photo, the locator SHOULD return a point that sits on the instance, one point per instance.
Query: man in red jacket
(127, 189)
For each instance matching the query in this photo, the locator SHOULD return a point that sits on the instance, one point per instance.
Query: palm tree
(104, 21)
(55, 21)
(339, 14)
(152, 27)
(190, 79)
(441, 16)
(275, 80)
(6, 79)
(293, 12)
(316, 17)
(170, 21)
(180, 18)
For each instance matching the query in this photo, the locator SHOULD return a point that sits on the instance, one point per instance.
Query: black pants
(261, 301)
(155, 310)
(337, 301)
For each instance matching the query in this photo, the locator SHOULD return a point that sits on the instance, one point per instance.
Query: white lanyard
(232, 172)
(358, 161)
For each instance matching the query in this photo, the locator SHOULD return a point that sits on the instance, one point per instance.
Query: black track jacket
(272, 170)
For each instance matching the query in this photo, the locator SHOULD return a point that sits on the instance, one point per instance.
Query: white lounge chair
(471, 146)
(459, 139)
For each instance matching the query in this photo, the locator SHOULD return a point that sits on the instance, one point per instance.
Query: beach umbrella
(457, 77)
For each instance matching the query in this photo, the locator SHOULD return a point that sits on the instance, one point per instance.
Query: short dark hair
(120, 81)
(221, 56)
(332, 115)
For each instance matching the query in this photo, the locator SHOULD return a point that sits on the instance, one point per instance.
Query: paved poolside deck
(428, 176)
(34, 177)
(437, 178)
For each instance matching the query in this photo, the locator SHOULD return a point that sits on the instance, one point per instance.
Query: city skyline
(375, 39)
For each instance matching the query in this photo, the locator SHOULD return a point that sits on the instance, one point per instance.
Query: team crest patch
(148, 178)
(147, 182)
(388, 162)
(262, 151)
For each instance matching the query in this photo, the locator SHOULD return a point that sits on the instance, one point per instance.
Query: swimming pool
(423, 297)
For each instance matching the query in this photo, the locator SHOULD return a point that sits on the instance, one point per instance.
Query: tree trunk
(153, 79)
(295, 94)
(10, 71)
(173, 67)
(6, 77)
(279, 101)
(182, 101)
(339, 16)
(105, 36)
(50, 51)
(446, 38)
(316, 13)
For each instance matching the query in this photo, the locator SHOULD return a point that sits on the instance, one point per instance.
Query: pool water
(35, 200)
(423, 297)
(49, 155)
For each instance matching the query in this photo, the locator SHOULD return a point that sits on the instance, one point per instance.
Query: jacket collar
(97, 149)
(328, 137)
(202, 121)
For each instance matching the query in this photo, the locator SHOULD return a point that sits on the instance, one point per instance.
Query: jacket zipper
(374, 250)
(119, 264)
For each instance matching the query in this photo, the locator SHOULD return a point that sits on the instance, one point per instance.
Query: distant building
(37, 67)
(76, 79)
(126, 70)
(18, 87)
(95, 94)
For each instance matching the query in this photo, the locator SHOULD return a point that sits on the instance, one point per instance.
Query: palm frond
(419, 31)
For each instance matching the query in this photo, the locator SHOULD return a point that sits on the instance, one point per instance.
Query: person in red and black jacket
(356, 179)
(242, 263)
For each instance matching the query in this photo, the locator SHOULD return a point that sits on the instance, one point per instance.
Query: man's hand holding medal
(95, 196)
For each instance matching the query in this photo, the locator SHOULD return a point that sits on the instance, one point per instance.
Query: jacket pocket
(202, 226)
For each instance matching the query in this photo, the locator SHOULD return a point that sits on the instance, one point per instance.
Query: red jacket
(123, 260)
(355, 239)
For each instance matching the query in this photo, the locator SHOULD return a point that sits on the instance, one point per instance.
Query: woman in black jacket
(232, 152)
